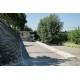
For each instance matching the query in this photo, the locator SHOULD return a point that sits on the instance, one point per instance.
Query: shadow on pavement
(24, 52)
(28, 40)
(44, 61)
(53, 44)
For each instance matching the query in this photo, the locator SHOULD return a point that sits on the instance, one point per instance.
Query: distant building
(24, 35)
(27, 35)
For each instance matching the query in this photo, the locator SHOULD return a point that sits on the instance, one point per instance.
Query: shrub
(74, 36)
(70, 44)
(60, 38)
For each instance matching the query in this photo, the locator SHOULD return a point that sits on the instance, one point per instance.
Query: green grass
(70, 44)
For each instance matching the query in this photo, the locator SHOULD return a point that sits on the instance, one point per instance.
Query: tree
(22, 20)
(26, 28)
(36, 36)
(16, 20)
(48, 27)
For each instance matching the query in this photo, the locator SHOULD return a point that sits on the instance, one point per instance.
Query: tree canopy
(27, 28)
(48, 27)
(14, 19)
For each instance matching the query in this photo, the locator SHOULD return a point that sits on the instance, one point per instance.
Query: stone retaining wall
(9, 44)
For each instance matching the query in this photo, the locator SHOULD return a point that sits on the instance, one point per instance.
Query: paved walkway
(41, 56)
(71, 50)
(35, 50)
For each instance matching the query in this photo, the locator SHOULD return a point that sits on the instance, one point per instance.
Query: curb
(62, 53)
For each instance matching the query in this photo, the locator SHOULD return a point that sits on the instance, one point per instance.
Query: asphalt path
(41, 56)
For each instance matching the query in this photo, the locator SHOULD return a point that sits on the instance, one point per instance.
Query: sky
(71, 20)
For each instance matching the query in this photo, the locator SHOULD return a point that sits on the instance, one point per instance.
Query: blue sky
(71, 20)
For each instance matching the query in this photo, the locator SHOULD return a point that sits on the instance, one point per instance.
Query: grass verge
(70, 44)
